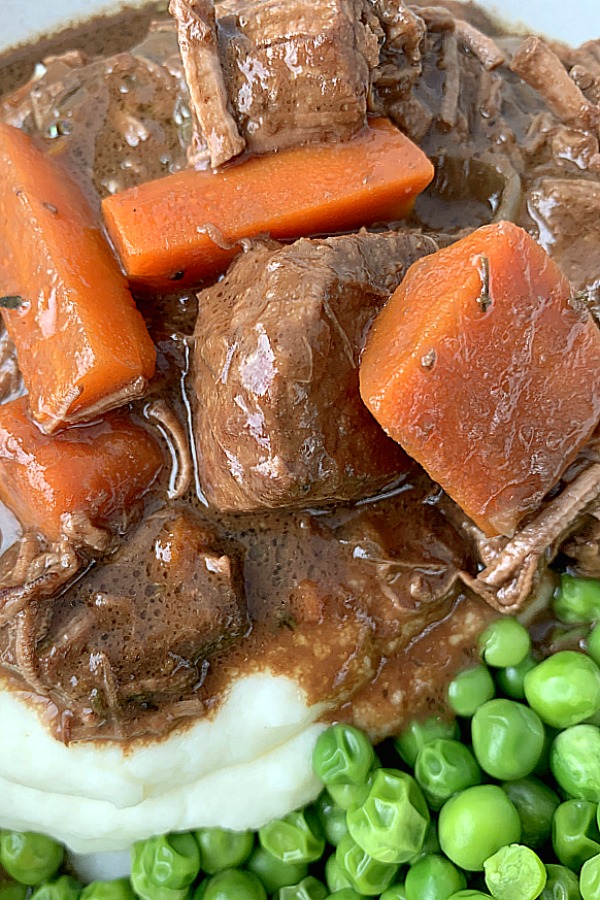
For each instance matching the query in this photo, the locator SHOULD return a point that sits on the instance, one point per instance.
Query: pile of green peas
(499, 801)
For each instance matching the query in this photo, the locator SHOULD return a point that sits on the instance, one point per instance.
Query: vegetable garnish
(466, 367)
(82, 345)
(187, 226)
(11, 301)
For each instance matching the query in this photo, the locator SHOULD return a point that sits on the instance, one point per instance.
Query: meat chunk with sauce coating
(274, 74)
(279, 421)
(139, 630)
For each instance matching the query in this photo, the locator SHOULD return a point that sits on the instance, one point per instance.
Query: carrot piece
(98, 470)
(486, 373)
(175, 229)
(82, 345)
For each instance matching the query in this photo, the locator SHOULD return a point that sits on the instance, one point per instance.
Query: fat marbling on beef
(279, 420)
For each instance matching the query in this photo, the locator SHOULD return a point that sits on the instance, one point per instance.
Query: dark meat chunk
(140, 629)
(279, 420)
(198, 44)
(567, 213)
(131, 107)
(292, 72)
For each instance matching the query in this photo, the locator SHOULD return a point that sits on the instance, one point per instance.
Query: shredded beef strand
(404, 29)
(480, 45)
(449, 106)
(507, 582)
(176, 437)
(539, 66)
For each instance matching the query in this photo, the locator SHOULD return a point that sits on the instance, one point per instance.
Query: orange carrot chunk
(486, 373)
(82, 345)
(181, 228)
(96, 470)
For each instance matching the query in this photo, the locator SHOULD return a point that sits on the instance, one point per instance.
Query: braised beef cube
(272, 74)
(567, 212)
(142, 625)
(314, 61)
(130, 106)
(279, 420)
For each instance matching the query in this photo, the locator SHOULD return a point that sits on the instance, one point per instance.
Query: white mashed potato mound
(247, 764)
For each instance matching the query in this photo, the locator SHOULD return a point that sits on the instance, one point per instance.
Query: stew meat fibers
(256, 515)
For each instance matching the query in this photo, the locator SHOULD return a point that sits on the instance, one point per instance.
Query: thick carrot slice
(82, 345)
(486, 373)
(96, 470)
(178, 229)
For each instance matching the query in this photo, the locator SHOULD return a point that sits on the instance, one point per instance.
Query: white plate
(575, 22)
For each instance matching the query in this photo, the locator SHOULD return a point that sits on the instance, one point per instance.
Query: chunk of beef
(292, 72)
(140, 629)
(567, 213)
(279, 420)
(132, 106)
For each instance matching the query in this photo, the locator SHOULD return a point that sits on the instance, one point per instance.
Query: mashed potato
(247, 764)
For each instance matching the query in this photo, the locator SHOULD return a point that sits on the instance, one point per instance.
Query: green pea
(274, 873)
(234, 884)
(368, 876)
(119, 889)
(307, 889)
(575, 761)
(562, 884)
(504, 642)
(163, 868)
(593, 644)
(536, 804)
(411, 741)
(575, 835)
(332, 818)
(62, 888)
(200, 890)
(336, 877)
(475, 824)
(395, 892)
(392, 822)
(470, 690)
(349, 796)
(577, 599)
(433, 878)
(28, 857)
(343, 755)
(511, 680)
(223, 849)
(508, 738)
(297, 838)
(564, 689)
(443, 768)
(13, 890)
(515, 873)
(589, 879)
(471, 895)
(430, 846)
